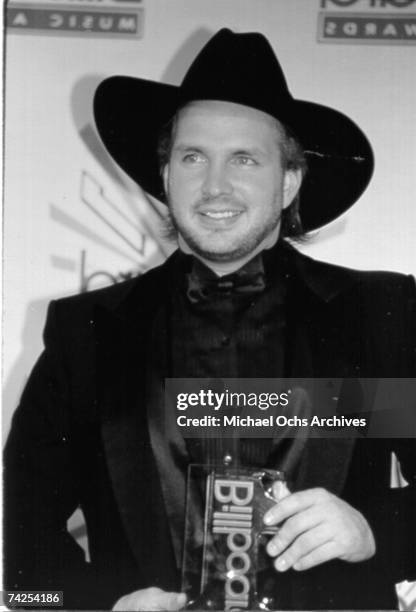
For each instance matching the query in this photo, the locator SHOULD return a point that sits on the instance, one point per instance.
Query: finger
(303, 546)
(292, 528)
(294, 503)
(172, 601)
(324, 553)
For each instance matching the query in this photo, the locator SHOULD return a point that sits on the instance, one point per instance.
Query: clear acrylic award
(225, 536)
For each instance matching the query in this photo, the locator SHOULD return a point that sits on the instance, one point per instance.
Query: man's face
(224, 181)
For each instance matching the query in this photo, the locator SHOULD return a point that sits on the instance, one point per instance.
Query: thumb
(173, 601)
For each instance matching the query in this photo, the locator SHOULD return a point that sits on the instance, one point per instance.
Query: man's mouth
(223, 214)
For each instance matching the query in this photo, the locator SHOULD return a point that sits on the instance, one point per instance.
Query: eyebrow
(249, 152)
(254, 151)
(185, 147)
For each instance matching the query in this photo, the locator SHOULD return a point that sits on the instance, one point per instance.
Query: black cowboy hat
(239, 68)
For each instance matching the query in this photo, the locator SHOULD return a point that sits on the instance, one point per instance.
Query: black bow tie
(204, 284)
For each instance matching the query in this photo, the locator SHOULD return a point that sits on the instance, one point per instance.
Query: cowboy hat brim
(130, 113)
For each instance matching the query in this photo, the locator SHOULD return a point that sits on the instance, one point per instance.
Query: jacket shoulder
(329, 280)
(112, 296)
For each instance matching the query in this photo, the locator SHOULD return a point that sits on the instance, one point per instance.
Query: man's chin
(222, 251)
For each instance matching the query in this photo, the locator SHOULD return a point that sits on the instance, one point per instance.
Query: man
(235, 301)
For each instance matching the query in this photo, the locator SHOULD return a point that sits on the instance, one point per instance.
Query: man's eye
(193, 158)
(244, 160)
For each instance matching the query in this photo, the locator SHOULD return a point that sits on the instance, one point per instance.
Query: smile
(225, 214)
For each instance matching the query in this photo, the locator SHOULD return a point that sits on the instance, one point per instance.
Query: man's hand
(317, 526)
(152, 598)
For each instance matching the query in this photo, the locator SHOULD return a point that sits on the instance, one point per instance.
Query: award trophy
(225, 536)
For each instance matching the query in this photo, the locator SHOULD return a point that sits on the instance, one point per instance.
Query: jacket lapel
(122, 336)
(316, 329)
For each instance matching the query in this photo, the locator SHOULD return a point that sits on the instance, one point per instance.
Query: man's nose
(216, 180)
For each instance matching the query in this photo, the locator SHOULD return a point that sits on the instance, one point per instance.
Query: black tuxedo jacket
(80, 437)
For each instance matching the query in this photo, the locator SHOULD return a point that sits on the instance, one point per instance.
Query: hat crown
(239, 68)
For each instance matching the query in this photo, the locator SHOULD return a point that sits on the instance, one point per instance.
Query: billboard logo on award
(236, 521)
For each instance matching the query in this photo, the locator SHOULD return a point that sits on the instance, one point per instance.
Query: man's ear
(291, 184)
(165, 177)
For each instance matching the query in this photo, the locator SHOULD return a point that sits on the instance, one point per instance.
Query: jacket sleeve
(41, 491)
(392, 516)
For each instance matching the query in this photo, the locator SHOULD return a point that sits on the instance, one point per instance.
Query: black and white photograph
(209, 311)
